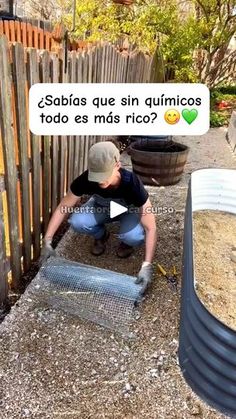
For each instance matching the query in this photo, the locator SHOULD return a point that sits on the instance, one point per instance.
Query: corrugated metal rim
(207, 348)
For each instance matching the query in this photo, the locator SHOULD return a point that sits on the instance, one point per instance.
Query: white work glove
(144, 276)
(47, 250)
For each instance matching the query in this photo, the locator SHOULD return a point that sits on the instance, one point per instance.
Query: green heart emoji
(189, 116)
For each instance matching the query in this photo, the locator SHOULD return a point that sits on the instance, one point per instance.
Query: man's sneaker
(99, 245)
(124, 250)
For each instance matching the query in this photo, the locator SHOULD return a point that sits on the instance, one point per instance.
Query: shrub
(217, 119)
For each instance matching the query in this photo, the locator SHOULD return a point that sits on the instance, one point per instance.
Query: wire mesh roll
(100, 295)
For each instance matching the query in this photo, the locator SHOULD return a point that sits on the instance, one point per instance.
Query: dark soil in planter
(168, 148)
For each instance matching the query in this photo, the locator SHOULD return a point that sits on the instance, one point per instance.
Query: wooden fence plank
(29, 35)
(55, 146)
(79, 68)
(81, 153)
(24, 34)
(85, 80)
(62, 165)
(19, 79)
(71, 143)
(85, 156)
(3, 271)
(85, 66)
(6, 29)
(41, 38)
(35, 37)
(63, 141)
(35, 141)
(79, 139)
(12, 30)
(90, 66)
(18, 31)
(46, 144)
(47, 38)
(7, 134)
(113, 65)
(110, 63)
(118, 68)
(77, 144)
(103, 63)
(1, 27)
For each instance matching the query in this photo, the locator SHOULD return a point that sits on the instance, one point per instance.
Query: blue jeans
(86, 222)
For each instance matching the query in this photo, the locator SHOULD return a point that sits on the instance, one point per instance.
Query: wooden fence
(27, 34)
(31, 35)
(36, 171)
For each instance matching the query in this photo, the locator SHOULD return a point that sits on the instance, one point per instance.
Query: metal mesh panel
(102, 296)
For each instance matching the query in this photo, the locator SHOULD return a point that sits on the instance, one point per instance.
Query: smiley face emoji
(172, 116)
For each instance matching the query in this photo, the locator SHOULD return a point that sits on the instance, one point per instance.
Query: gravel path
(54, 366)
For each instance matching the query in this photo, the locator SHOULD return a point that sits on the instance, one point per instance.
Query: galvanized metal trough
(207, 348)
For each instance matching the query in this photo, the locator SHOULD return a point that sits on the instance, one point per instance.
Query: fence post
(46, 143)
(55, 147)
(35, 142)
(7, 133)
(71, 138)
(19, 80)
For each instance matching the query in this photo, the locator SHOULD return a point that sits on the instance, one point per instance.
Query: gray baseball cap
(102, 159)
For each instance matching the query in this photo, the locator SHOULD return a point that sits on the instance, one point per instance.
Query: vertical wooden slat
(79, 149)
(19, 79)
(18, 31)
(62, 141)
(113, 65)
(12, 30)
(41, 38)
(24, 33)
(103, 58)
(99, 65)
(30, 35)
(90, 66)
(47, 40)
(35, 37)
(110, 63)
(6, 29)
(94, 75)
(72, 138)
(6, 124)
(35, 142)
(1, 27)
(86, 148)
(77, 145)
(118, 68)
(3, 273)
(62, 165)
(55, 147)
(85, 80)
(81, 153)
(46, 140)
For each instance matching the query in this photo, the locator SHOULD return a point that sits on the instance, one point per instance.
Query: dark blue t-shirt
(130, 189)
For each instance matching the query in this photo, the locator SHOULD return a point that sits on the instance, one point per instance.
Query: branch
(204, 9)
(220, 80)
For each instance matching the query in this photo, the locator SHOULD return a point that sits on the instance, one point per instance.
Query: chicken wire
(99, 295)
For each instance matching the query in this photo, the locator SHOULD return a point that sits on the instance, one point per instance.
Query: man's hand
(47, 250)
(144, 276)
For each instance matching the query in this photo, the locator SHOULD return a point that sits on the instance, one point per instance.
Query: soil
(215, 272)
(171, 147)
